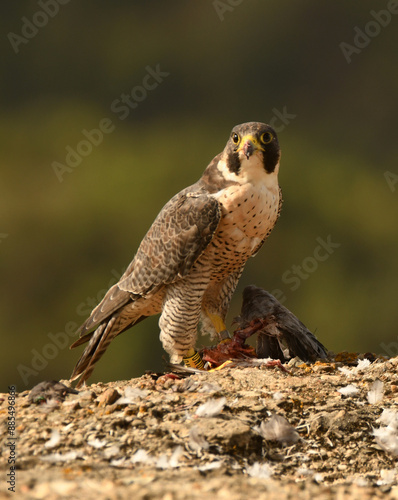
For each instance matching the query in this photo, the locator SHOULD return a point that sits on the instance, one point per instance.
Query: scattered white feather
(49, 406)
(387, 434)
(58, 457)
(387, 476)
(389, 418)
(208, 387)
(118, 462)
(141, 456)
(135, 393)
(376, 393)
(349, 390)
(196, 441)
(261, 361)
(84, 394)
(318, 478)
(71, 401)
(211, 408)
(210, 466)
(54, 440)
(261, 471)
(362, 365)
(361, 481)
(305, 471)
(163, 462)
(277, 428)
(111, 451)
(346, 371)
(96, 443)
(131, 395)
(387, 439)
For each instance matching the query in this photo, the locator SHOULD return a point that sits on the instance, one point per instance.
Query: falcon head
(251, 145)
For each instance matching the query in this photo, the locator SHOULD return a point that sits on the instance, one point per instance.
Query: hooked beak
(248, 149)
(249, 145)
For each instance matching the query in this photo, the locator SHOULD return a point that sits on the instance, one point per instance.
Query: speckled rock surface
(202, 437)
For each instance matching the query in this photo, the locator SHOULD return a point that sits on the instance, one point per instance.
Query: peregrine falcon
(189, 262)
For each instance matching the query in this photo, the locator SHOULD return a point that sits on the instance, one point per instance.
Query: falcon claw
(193, 360)
(224, 365)
(224, 335)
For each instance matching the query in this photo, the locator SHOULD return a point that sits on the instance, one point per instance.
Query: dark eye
(235, 138)
(266, 138)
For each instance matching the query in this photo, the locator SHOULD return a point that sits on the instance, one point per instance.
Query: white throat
(251, 172)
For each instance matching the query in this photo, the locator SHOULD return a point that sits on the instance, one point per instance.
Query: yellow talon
(217, 321)
(192, 359)
(224, 341)
(226, 363)
(219, 325)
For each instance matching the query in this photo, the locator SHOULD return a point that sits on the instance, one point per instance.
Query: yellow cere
(251, 138)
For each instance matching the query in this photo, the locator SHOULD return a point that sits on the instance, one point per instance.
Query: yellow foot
(217, 321)
(219, 325)
(224, 365)
(193, 360)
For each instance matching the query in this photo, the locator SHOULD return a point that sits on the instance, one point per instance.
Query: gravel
(327, 430)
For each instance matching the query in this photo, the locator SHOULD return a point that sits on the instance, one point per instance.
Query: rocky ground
(327, 430)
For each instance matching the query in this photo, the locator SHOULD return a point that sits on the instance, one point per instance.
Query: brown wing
(176, 239)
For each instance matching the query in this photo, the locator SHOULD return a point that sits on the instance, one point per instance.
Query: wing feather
(176, 239)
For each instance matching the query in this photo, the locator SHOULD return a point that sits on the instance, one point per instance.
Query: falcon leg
(192, 359)
(216, 304)
(179, 320)
(219, 325)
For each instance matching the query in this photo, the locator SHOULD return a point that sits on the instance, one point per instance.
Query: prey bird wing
(276, 325)
(299, 340)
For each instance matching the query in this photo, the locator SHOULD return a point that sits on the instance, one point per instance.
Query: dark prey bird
(50, 390)
(276, 326)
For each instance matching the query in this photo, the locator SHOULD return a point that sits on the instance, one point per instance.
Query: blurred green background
(63, 243)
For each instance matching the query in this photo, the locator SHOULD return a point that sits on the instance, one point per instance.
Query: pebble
(336, 442)
(108, 397)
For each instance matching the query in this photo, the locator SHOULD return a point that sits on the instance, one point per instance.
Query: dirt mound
(324, 430)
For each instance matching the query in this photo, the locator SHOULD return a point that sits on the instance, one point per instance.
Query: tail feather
(99, 340)
(98, 344)
(113, 301)
(83, 339)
